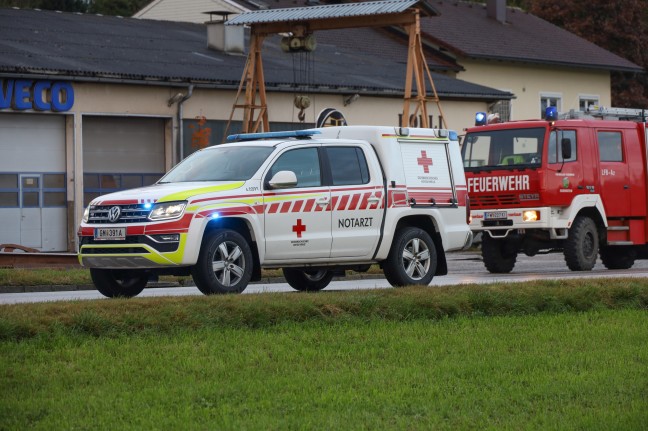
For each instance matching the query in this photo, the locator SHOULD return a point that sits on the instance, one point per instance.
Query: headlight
(167, 210)
(86, 214)
(531, 215)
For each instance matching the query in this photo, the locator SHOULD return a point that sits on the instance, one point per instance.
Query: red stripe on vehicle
(273, 208)
(343, 203)
(298, 205)
(309, 205)
(354, 202)
(285, 207)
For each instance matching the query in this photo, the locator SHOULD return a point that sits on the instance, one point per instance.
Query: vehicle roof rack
(299, 134)
(618, 113)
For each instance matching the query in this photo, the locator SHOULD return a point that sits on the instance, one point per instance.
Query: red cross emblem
(424, 161)
(299, 228)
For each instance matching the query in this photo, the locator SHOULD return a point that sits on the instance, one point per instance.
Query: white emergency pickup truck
(312, 202)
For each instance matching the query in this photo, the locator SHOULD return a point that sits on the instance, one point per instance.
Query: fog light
(530, 215)
(166, 237)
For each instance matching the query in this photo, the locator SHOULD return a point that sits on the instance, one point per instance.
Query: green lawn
(339, 360)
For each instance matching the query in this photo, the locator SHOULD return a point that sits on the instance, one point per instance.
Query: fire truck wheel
(307, 280)
(224, 263)
(115, 283)
(618, 257)
(498, 254)
(581, 246)
(412, 258)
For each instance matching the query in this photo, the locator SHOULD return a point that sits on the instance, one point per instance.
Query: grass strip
(165, 315)
(548, 371)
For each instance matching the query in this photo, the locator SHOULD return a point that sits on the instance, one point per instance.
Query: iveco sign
(40, 95)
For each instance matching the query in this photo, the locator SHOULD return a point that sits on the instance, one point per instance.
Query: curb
(155, 284)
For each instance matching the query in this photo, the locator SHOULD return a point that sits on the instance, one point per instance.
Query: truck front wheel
(498, 254)
(115, 283)
(224, 263)
(307, 280)
(581, 246)
(412, 258)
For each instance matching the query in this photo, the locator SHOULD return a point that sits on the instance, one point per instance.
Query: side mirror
(283, 180)
(565, 145)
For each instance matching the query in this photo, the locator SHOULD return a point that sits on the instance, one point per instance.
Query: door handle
(373, 199)
(323, 202)
(626, 186)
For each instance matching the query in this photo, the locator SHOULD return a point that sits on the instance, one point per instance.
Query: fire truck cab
(573, 183)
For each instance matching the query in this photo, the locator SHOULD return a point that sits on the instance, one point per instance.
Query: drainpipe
(179, 121)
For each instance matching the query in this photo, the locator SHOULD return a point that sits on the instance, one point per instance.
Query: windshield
(222, 163)
(503, 148)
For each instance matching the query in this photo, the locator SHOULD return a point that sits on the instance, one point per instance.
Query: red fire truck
(574, 183)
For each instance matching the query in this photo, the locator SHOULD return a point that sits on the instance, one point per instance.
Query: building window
(586, 101)
(549, 99)
(503, 109)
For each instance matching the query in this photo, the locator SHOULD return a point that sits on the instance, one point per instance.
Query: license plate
(495, 215)
(110, 233)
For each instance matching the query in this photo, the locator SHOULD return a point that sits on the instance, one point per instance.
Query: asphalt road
(464, 268)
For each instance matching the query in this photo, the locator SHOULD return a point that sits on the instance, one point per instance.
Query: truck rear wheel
(618, 257)
(224, 263)
(498, 254)
(412, 258)
(581, 246)
(307, 280)
(116, 283)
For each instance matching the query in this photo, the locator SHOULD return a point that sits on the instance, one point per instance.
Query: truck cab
(574, 183)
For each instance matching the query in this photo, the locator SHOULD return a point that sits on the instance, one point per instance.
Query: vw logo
(113, 214)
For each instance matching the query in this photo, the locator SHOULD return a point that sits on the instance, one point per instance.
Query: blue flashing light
(215, 215)
(452, 135)
(148, 205)
(273, 135)
(551, 113)
(480, 119)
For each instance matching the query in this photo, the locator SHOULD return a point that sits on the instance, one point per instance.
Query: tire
(581, 246)
(498, 255)
(224, 264)
(412, 258)
(307, 280)
(115, 283)
(618, 257)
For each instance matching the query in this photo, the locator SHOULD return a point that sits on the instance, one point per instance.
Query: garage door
(32, 181)
(121, 153)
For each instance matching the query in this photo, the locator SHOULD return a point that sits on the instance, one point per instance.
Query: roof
(89, 47)
(466, 30)
(329, 11)
(190, 11)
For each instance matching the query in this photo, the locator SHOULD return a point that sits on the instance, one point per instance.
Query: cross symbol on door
(299, 228)
(424, 161)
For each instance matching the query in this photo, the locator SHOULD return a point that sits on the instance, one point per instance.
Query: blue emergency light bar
(273, 135)
(480, 119)
(551, 113)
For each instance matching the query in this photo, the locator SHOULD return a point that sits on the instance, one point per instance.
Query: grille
(135, 213)
(116, 250)
(493, 201)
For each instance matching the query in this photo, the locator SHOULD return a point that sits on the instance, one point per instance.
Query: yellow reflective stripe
(185, 194)
(172, 258)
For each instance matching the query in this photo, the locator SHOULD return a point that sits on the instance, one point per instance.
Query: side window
(348, 166)
(610, 146)
(555, 139)
(304, 162)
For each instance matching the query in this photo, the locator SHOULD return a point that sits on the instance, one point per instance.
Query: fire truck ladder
(304, 21)
(618, 113)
